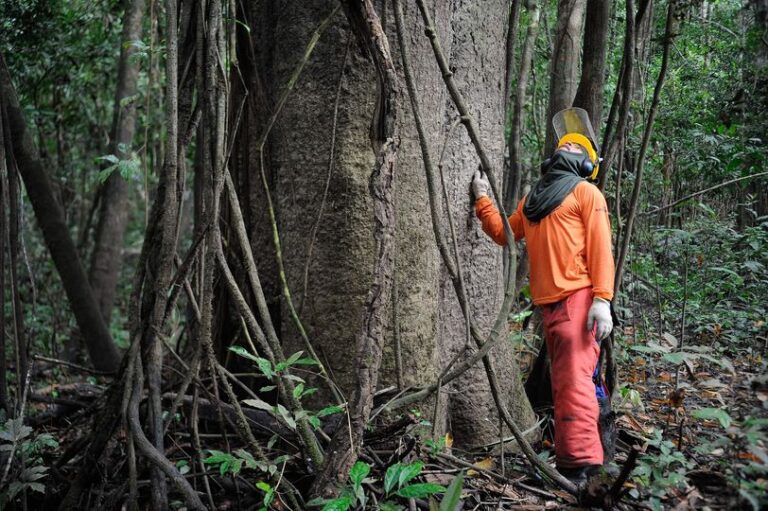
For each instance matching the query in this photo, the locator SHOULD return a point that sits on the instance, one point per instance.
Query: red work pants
(573, 353)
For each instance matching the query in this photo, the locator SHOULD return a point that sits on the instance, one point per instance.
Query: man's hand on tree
(600, 313)
(481, 187)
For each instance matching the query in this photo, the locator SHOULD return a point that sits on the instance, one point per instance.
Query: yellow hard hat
(578, 138)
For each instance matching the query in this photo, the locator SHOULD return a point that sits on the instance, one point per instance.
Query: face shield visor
(574, 120)
(574, 123)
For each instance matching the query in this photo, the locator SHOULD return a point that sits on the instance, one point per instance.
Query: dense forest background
(241, 267)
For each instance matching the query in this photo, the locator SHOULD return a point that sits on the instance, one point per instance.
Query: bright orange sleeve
(597, 224)
(491, 220)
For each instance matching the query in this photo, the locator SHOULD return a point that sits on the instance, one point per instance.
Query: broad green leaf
(297, 390)
(409, 472)
(420, 490)
(388, 505)
(358, 472)
(258, 404)
(722, 362)
(104, 174)
(651, 347)
(250, 461)
(34, 473)
(268, 498)
(520, 316)
(244, 353)
(286, 415)
(111, 158)
(265, 487)
(713, 414)
(306, 362)
(675, 358)
(217, 457)
(14, 488)
(391, 477)
(453, 494)
(38, 487)
(14, 430)
(293, 358)
(339, 504)
(183, 467)
(330, 410)
(265, 366)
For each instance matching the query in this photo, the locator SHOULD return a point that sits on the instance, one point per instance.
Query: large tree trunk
(564, 66)
(470, 36)
(106, 258)
(50, 216)
(338, 274)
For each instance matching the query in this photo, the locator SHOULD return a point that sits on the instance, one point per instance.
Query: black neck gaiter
(550, 191)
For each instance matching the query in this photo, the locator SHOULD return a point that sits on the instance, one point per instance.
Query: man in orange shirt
(565, 222)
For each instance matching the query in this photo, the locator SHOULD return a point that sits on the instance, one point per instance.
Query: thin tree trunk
(624, 91)
(153, 278)
(564, 65)
(589, 95)
(513, 24)
(515, 150)
(106, 257)
(101, 349)
(669, 34)
(21, 345)
(667, 190)
(4, 199)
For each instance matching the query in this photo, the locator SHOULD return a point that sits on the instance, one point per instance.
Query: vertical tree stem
(668, 37)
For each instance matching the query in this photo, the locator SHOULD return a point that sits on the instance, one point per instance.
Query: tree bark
(431, 323)
(589, 95)
(564, 66)
(106, 258)
(345, 445)
(513, 23)
(101, 349)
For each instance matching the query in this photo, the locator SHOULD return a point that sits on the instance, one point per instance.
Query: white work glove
(480, 185)
(600, 313)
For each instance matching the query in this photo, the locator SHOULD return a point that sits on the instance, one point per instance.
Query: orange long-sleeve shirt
(568, 250)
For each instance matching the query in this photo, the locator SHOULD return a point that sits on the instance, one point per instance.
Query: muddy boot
(580, 475)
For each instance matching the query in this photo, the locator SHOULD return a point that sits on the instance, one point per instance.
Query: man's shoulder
(586, 189)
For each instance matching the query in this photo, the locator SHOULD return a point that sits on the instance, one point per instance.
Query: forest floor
(702, 438)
